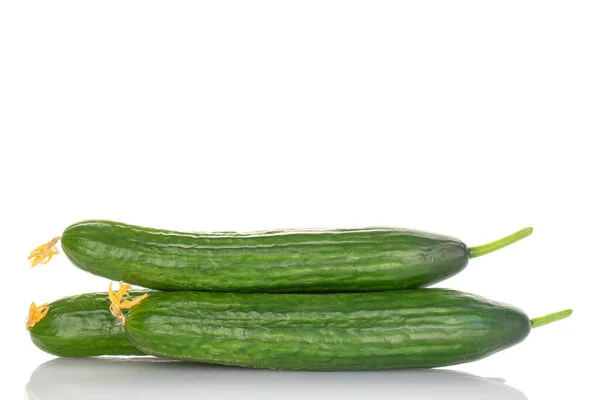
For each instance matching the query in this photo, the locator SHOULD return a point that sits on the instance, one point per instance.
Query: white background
(466, 118)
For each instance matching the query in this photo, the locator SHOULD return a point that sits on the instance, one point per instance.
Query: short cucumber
(335, 260)
(81, 326)
(417, 328)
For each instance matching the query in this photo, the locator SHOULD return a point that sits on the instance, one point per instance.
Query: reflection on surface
(148, 378)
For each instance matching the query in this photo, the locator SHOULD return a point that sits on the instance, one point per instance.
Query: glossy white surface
(118, 379)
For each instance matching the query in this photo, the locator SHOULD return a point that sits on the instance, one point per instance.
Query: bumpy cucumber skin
(82, 326)
(419, 328)
(318, 261)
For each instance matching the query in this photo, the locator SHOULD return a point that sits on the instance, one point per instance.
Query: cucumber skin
(420, 328)
(343, 260)
(82, 326)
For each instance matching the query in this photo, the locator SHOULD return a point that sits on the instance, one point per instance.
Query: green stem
(500, 243)
(548, 319)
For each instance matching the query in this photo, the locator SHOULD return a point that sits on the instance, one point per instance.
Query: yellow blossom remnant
(44, 253)
(117, 304)
(36, 313)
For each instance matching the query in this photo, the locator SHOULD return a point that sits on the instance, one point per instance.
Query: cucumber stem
(484, 249)
(548, 319)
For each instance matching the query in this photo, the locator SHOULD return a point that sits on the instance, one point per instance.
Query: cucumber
(419, 328)
(318, 261)
(80, 326)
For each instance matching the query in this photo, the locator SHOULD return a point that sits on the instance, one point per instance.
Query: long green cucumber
(340, 260)
(81, 326)
(418, 328)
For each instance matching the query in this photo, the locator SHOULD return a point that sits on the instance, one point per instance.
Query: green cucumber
(419, 328)
(340, 260)
(81, 326)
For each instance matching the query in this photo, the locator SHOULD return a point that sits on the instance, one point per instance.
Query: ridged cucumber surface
(317, 261)
(82, 326)
(347, 331)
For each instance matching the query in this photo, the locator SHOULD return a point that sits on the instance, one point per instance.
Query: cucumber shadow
(149, 378)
